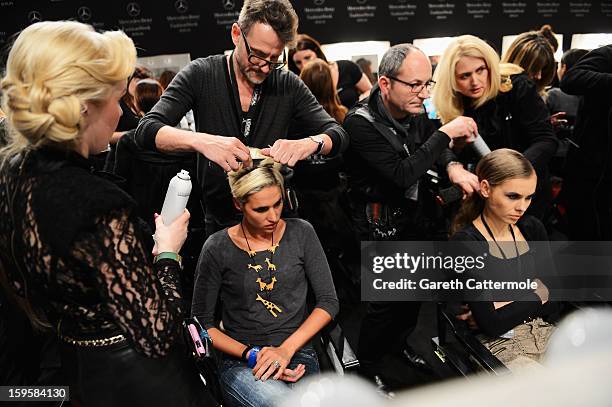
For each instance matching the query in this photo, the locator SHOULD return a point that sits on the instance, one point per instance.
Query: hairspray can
(480, 147)
(176, 197)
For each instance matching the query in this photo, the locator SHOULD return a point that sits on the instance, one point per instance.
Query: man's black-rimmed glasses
(261, 62)
(415, 88)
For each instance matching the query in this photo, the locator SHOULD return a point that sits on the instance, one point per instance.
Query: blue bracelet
(253, 356)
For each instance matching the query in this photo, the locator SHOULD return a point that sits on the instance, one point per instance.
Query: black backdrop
(202, 27)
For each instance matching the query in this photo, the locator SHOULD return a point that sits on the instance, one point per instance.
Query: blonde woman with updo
(261, 270)
(504, 103)
(72, 254)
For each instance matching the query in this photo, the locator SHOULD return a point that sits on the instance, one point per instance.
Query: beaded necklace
(264, 286)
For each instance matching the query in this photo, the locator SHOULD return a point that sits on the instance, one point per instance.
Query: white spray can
(176, 197)
(480, 147)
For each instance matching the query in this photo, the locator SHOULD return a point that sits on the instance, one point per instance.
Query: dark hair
(317, 76)
(496, 167)
(140, 72)
(533, 52)
(548, 33)
(166, 77)
(366, 68)
(571, 56)
(147, 94)
(303, 42)
(278, 14)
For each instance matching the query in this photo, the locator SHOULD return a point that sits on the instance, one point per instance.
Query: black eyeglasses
(415, 88)
(261, 62)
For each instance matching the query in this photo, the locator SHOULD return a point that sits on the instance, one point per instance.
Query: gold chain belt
(94, 342)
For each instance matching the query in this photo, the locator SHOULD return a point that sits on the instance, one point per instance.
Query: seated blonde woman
(261, 269)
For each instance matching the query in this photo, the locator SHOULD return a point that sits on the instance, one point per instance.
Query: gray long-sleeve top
(223, 273)
(288, 111)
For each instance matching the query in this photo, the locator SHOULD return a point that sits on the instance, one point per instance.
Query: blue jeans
(241, 389)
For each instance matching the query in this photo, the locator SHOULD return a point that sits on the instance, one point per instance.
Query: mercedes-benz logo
(34, 16)
(228, 4)
(84, 13)
(319, 2)
(133, 9)
(181, 6)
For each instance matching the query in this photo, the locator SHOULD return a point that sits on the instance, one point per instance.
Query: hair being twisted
(247, 181)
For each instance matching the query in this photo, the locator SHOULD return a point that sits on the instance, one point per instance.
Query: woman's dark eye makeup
(263, 209)
(515, 196)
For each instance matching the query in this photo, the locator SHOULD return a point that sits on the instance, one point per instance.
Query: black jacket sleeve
(533, 118)
(447, 155)
(591, 75)
(495, 322)
(378, 153)
(310, 118)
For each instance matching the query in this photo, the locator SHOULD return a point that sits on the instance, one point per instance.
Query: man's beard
(251, 75)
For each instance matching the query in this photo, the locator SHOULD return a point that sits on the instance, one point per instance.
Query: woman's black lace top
(70, 246)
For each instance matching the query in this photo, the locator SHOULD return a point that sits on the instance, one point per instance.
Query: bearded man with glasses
(241, 100)
(393, 145)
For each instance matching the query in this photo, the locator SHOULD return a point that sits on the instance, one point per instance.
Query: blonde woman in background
(504, 102)
(73, 255)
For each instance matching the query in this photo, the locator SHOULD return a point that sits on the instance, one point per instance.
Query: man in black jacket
(242, 100)
(393, 145)
(589, 173)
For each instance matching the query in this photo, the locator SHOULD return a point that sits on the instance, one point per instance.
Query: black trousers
(387, 325)
(385, 329)
(118, 375)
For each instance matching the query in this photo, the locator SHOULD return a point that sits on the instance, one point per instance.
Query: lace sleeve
(144, 299)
